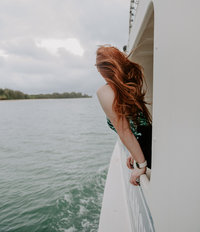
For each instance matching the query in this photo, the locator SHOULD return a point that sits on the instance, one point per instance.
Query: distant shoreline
(43, 98)
(9, 94)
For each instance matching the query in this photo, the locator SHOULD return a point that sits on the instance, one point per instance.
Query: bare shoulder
(106, 96)
(105, 91)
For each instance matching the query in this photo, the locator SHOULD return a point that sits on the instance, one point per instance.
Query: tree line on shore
(9, 94)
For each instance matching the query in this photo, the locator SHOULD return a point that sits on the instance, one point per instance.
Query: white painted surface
(123, 208)
(141, 220)
(114, 215)
(174, 188)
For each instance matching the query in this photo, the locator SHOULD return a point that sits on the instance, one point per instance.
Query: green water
(54, 157)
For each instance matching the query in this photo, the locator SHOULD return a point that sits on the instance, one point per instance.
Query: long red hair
(126, 78)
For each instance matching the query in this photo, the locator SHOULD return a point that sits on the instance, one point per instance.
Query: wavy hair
(126, 78)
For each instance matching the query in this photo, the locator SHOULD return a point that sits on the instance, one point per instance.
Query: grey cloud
(33, 69)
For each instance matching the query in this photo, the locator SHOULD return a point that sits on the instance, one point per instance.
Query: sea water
(54, 158)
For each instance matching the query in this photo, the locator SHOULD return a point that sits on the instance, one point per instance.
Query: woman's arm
(106, 96)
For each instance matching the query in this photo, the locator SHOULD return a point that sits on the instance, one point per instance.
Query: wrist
(142, 170)
(141, 165)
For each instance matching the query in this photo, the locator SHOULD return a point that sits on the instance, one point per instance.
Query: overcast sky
(49, 45)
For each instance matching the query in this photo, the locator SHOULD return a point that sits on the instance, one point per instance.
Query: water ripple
(54, 161)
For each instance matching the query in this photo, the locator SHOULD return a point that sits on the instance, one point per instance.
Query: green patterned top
(142, 122)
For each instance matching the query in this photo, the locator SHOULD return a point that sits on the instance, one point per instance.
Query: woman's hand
(129, 162)
(136, 173)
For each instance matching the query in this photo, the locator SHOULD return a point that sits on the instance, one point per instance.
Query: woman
(122, 99)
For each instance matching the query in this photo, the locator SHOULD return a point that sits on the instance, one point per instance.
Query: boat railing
(138, 196)
(133, 9)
